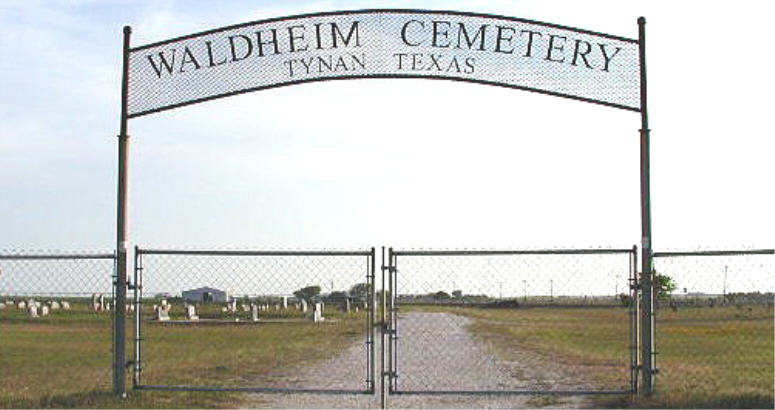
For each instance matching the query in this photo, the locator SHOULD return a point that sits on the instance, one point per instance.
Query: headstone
(2, 306)
(346, 305)
(65, 305)
(107, 306)
(55, 305)
(22, 305)
(164, 303)
(162, 313)
(356, 309)
(285, 302)
(32, 311)
(277, 307)
(304, 305)
(244, 307)
(317, 313)
(101, 301)
(94, 303)
(191, 313)
(254, 312)
(44, 310)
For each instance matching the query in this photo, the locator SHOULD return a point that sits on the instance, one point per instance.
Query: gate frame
(369, 333)
(390, 324)
(647, 342)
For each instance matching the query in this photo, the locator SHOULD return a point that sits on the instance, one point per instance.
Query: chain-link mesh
(55, 325)
(267, 321)
(385, 44)
(714, 326)
(535, 321)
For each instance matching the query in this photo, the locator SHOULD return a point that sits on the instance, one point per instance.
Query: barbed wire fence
(54, 305)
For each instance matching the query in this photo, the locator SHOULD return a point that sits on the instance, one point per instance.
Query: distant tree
(664, 285)
(307, 293)
(441, 295)
(457, 294)
(336, 296)
(360, 291)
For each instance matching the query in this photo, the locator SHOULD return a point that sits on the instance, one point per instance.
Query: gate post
(384, 334)
(647, 273)
(119, 333)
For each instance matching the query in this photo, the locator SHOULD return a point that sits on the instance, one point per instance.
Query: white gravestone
(22, 305)
(55, 305)
(162, 313)
(285, 302)
(254, 312)
(164, 303)
(244, 307)
(101, 301)
(65, 305)
(346, 307)
(191, 313)
(317, 313)
(44, 310)
(32, 311)
(304, 306)
(2, 306)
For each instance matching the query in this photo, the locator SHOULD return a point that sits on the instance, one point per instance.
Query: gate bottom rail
(251, 389)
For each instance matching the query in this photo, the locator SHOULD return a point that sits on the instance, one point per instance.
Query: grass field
(708, 357)
(64, 360)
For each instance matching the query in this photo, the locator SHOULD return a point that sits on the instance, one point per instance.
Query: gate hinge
(390, 269)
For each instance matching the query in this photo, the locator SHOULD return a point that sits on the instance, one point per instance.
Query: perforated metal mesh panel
(383, 44)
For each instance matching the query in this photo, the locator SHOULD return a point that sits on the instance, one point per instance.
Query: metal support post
(647, 273)
(138, 294)
(119, 354)
(384, 335)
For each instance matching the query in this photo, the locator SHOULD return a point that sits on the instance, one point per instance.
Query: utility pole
(524, 287)
(551, 290)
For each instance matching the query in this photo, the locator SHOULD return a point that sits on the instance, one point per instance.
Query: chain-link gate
(254, 321)
(511, 322)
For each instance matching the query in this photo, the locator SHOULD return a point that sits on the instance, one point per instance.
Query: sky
(402, 163)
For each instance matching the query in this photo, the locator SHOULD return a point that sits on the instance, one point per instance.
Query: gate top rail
(56, 256)
(715, 253)
(141, 251)
(465, 252)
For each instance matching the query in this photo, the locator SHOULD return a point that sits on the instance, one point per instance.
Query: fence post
(384, 334)
(647, 273)
(119, 354)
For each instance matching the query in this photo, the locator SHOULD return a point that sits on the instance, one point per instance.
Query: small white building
(205, 294)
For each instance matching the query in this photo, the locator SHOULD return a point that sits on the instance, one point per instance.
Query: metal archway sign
(385, 43)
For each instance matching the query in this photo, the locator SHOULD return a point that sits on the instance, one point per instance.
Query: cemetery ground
(64, 360)
(708, 357)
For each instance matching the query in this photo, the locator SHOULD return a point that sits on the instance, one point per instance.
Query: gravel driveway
(436, 352)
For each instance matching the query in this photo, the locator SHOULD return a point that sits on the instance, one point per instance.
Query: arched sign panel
(478, 48)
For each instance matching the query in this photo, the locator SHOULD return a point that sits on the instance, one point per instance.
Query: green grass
(64, 360)
(708, 357)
